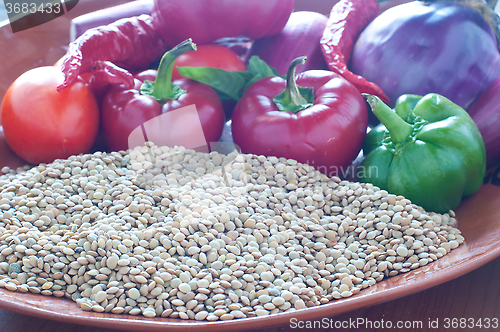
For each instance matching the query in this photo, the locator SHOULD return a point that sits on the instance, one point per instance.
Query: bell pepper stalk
(294, 98)
(316, 117)
(154, 93)
(162, 89)
(404, 105)
(427, 149)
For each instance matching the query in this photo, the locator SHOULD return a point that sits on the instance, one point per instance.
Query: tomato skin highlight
(42, 124)
(209, 55)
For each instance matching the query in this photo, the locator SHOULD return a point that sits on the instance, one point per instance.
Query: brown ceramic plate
(478, 216)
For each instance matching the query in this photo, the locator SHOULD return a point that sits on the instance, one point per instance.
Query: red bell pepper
(209, 20)
(154, 94)
(317, 118)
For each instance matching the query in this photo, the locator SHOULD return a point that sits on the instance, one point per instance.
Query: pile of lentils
(170, 232)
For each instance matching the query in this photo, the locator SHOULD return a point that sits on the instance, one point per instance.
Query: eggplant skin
(419, 48)
(300, 37)
(486, 114)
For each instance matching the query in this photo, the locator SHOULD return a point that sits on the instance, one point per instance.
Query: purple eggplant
(486, 114)
(299, 37)
(420, 48)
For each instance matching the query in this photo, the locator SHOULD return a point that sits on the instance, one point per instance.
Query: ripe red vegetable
(299, 37)
(8, 157)
(42, 124)
(321, 122)
(129, 43)
(104, 75)
(212, 56)
(154, 94)
(209, 55)
(209, 20)
(346, 21)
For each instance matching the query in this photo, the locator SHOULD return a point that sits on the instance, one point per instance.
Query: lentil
(176, 233)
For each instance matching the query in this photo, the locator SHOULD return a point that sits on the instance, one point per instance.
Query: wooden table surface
(474, 297)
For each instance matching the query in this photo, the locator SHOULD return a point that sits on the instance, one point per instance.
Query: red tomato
(209, 55)
(7, 156)
(42, 124)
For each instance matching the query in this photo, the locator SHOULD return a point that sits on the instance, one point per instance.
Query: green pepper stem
(293, 95)
(163, 88)
(399, 130)
(294, 98)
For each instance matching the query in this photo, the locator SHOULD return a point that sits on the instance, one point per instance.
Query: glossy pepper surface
(209, 20)
(316, 117)
(154, 94)
(427, 149)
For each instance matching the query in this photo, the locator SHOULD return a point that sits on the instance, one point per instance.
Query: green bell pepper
(427, 149)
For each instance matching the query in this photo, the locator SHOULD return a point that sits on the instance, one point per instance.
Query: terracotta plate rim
(140, 323)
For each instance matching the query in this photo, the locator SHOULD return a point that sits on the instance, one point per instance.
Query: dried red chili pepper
(130, 43)
(105, 74)
(346, 21)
